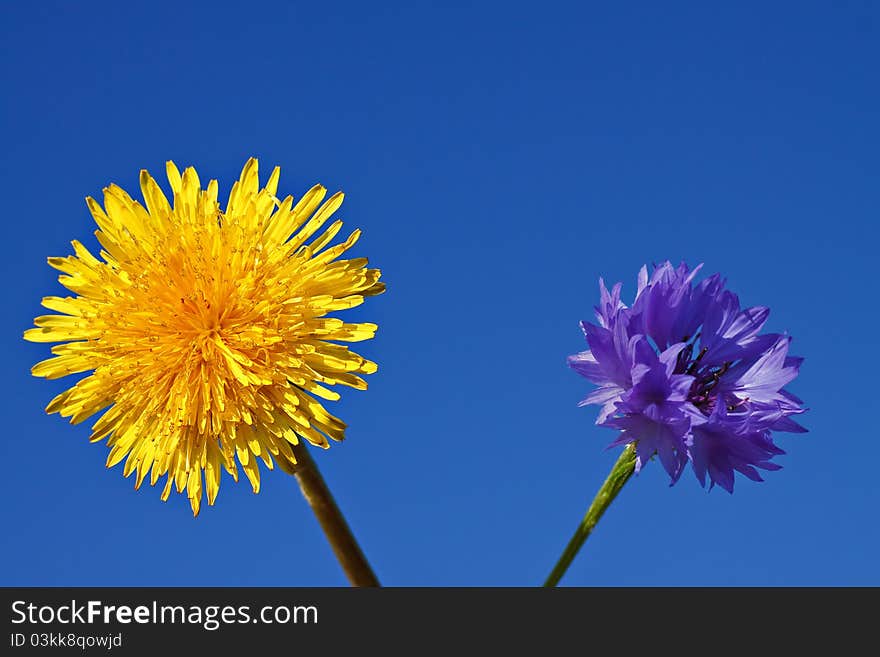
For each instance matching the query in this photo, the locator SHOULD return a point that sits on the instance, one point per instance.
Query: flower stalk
(349, 554)
(619, 475)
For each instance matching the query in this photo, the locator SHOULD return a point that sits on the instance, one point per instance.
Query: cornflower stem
(349, 554)
(619, 475)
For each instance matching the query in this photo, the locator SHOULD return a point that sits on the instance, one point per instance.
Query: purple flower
(686, 375)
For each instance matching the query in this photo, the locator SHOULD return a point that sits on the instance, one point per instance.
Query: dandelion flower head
(206, 331)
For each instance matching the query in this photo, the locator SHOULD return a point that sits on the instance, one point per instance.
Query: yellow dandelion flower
(206, 331)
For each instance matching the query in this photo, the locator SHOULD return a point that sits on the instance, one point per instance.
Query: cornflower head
(685, 374)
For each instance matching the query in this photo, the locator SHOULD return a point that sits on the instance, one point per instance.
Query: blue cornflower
(686, 375)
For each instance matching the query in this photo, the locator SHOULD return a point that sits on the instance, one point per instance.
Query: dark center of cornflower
(706, 376)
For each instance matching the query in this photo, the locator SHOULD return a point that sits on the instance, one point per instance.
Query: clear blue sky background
(500, 158)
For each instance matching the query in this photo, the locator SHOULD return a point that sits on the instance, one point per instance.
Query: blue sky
(499, 158)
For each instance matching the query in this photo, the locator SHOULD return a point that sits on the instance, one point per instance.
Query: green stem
(339, 535)
(619, 475)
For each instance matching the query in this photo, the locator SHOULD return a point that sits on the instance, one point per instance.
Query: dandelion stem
(343, 542)
(619, 475)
